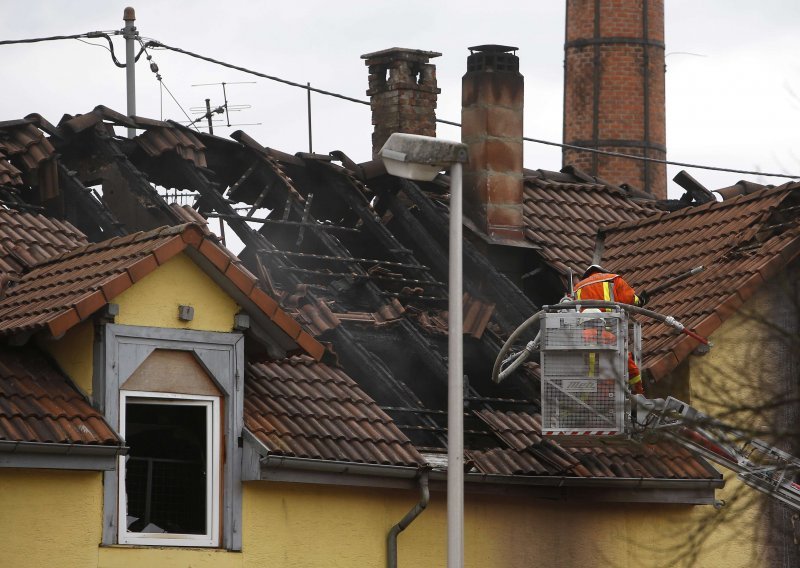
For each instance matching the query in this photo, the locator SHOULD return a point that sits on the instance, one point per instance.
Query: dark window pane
(165, 476)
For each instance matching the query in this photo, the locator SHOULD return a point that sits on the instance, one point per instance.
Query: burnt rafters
(512, 306)
(333, 246)
(352, 192)
(85, 210)
(146, 195)
(422, 240)
(210, 194)
(375, 377)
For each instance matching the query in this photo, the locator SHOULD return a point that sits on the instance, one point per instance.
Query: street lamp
(421, 158)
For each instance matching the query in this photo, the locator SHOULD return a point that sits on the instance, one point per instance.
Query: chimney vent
(491, 126)
(402, 92)
(492, 58)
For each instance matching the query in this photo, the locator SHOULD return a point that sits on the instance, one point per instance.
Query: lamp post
(421, 158)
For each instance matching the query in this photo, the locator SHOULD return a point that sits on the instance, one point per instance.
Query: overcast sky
(733, 74)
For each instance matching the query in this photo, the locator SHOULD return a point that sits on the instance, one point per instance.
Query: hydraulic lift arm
(759, 465)
(575, 399)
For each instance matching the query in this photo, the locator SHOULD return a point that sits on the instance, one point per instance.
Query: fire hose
(498, 374)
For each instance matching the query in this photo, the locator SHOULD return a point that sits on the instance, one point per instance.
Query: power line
(658, 161)
(308, 88)
(158, 44)
(53, 38)
(155, 70)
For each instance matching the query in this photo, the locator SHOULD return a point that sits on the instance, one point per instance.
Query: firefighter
(599, 284)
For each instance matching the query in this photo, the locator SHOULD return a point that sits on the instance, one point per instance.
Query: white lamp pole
(455, 381)
(422, 158)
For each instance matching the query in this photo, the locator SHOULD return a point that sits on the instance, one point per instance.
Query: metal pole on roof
(310, 144)
(208, 116)
(130, 34)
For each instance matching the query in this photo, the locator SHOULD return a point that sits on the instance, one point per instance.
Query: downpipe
(416, 511)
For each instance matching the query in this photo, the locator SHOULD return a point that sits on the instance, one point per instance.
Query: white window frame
(211, 538)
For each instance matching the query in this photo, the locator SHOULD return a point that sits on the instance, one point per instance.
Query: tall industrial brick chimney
(402, 92)
(614, 90)
(491, 126)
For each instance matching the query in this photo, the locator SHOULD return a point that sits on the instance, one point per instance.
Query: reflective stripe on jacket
(605, 286)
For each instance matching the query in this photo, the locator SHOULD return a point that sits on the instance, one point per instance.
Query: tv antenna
(207, 112)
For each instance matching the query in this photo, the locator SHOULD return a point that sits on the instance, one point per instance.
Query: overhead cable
(53, 38)
(159, 45)
(163, 85)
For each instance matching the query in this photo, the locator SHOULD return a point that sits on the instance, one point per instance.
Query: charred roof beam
(374, 376)
(85, 210)
(346, 187)
(144, 195)
(513, 307)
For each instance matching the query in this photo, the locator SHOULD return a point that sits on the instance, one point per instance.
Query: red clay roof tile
(37, 404)
(742, 242)
(298, 407)
(67, 288)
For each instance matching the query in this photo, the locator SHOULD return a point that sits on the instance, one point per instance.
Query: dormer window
(170, 480)
(176, 398)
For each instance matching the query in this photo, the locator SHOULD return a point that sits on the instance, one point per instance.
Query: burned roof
(742, 242)
(359, 257)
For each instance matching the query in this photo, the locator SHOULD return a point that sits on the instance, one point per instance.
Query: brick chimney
(402, 92)
(491, 125)
(614, 90)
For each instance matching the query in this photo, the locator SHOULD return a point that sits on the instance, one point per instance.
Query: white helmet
(593, 268)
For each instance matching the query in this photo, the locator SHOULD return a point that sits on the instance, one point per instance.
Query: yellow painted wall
(73, 353)
(160, 557)
(304, 526)
(49, 518)
(154, 300)
(741, 373)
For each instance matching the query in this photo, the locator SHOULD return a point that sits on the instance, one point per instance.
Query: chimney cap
(394, 53)
(492, 48)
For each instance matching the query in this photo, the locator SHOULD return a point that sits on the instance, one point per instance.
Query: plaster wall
(294, 526)
(73, 353)
(53, 518)
(49, 518)
(154, 300)
(745, 380)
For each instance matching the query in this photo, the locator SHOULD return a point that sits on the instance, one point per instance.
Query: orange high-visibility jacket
(605, 286)
(612, 288)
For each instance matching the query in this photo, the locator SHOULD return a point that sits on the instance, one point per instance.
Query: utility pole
(130, 34)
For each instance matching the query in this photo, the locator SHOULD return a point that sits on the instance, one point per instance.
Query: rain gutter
(340, 467)
(52, 455)
(615, 482)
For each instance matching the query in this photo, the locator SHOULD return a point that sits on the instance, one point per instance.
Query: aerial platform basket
(584, 373)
